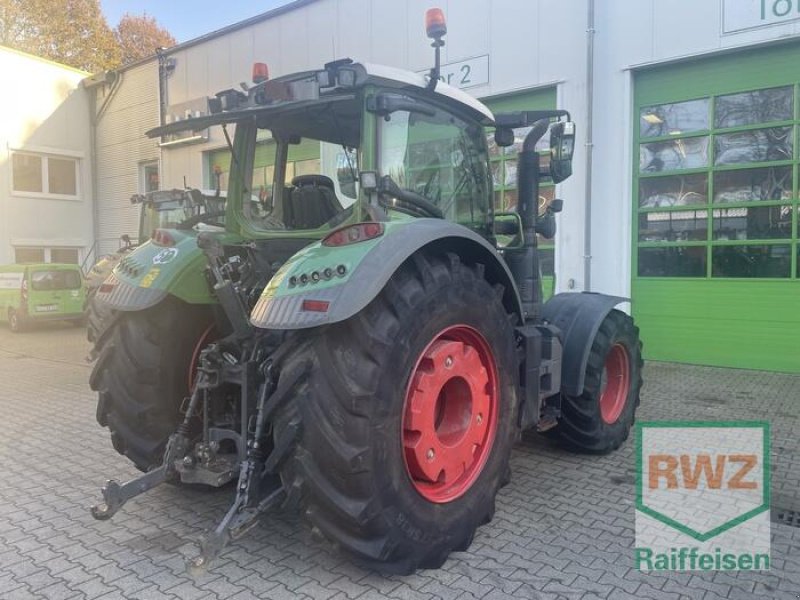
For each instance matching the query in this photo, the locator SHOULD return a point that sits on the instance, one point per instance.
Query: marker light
(260, 72)
(162, 238)
(352, 234)
(435, 25)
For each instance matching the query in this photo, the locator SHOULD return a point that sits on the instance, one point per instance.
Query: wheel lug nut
(479, 418)
(430, 454)
(448, 362)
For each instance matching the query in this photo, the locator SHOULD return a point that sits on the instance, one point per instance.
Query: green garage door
(504, 169)
(715, 185)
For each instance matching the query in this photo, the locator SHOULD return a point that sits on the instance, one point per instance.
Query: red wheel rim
(450, 414)
(617, 384)
(208, 335)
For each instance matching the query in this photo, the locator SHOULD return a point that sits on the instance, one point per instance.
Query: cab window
(441, 157)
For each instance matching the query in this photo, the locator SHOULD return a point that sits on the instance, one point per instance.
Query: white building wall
(632, 34)
(44, 112)
(530, 43)
(125, 111)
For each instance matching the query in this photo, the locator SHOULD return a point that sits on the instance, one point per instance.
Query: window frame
(45, 157)
(710, 207)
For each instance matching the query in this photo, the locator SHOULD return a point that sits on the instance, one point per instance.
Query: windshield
(42, 281)
(439, 157)
(304, 170)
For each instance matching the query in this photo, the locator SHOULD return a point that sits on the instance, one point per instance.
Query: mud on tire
(600, 419)
(338, 430)
(141, 376)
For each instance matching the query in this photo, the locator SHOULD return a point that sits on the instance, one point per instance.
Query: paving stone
(563, 528)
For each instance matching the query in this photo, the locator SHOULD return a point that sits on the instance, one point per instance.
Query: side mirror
(504, 136)
(562, 147)
(508, 230)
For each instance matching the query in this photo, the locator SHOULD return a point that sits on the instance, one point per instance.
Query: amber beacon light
(260, 72)
(435, 25)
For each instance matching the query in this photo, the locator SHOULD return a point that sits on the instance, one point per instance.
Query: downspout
(587, 211)
(96, 116)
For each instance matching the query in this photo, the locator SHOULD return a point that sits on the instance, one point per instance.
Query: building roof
(43, 60)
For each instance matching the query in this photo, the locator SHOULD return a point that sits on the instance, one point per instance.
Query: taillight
(24, 290)
(352, 234)
(315, 306)
(163, 238)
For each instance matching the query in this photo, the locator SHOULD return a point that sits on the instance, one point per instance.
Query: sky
(188, 19)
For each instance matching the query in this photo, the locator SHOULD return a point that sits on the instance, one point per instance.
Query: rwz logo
(702, 495)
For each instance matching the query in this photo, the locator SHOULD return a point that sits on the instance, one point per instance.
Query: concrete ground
(563, 527)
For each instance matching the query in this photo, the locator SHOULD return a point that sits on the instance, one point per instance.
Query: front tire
(15, 322)
(600, 419)
(142, 376)
(396, 426)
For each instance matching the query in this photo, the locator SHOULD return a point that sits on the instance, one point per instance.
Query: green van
(41, 292)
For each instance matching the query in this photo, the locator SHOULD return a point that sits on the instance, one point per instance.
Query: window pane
(494, 149)
(759, 145)
(761, 223)
(440, 157)
(672, 262)
(677, 190)
(674, 226)
(510, 179)
(27, 173)
(547, 261)
(686, 153)
(55, 280)
(151, 179)
(497, 172)
(674, 119)
(546, 196)
(750, 108)
(64, 255)
(751, 261)
(306, 167)
(62, 176)
(752, 185)
(505, 201)
(28, 255)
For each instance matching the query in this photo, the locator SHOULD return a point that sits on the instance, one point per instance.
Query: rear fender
(151, 272)
(367, 266)
(578, 318)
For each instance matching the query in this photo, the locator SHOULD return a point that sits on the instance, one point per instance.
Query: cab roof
(366, 74)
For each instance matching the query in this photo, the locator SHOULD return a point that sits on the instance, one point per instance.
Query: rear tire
(99, 316)
(141, 376)
(600, 419)
(341, 435)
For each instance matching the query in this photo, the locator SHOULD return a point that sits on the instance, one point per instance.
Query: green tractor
(184, 209)
(366, 346)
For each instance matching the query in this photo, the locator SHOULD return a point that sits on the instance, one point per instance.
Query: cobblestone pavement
(563, 528)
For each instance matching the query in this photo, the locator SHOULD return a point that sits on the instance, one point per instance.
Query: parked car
(41, 292)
